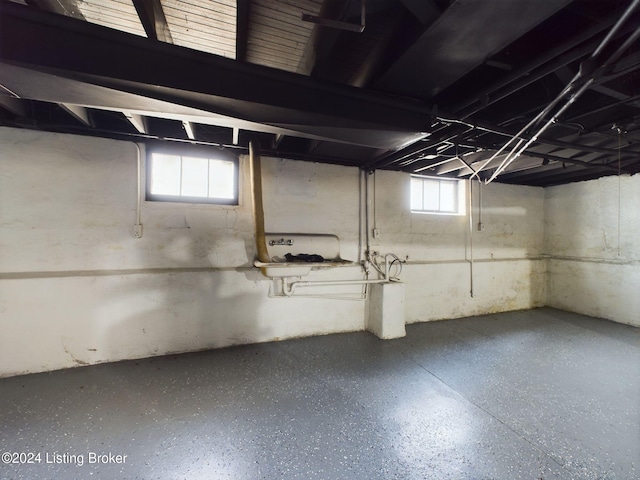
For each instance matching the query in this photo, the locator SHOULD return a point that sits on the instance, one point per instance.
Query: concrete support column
(386, 310)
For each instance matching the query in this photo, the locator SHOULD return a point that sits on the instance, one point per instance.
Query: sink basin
(281, 244)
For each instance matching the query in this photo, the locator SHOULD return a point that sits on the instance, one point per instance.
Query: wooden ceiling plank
(190, 6)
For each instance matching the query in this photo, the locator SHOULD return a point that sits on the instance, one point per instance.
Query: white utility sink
(281, 244)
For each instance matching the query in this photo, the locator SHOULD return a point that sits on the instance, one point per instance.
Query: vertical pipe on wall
(363, 241)
(375, 226)
(137, 228)
(480, 224)
(619, 186)
(255, 164)
(366, 214)
(361, 174)
(471, 238)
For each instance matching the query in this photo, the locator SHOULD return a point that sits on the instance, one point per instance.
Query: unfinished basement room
(320, 239)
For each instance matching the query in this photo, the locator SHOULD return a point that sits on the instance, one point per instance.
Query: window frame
(460, 195)
(209, 153)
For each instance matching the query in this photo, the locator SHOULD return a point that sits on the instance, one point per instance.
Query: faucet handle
(281, 241)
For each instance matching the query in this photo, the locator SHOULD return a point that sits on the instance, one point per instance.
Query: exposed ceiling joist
(79, 113)
(13, 105)
(599, 163)
(558, 171)
(190, 129)
(487, 67)
(452, 43)
(153, 20)
(544, 64)
(242, 28)
(424, 10)
(565, 74)
(138, 121)
(338, 24)
(277, 140)
(60, 89)
(123, 62)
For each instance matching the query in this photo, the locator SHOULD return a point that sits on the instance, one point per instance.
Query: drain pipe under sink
(288, 288)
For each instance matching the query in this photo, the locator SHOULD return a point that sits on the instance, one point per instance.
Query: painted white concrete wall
(77, 288)
(508, 270)
(591, 235)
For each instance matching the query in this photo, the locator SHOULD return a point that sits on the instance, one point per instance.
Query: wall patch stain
(75, 360)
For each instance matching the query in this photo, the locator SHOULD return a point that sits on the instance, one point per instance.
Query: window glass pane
(431, 195)
(416, 194)
(194, 176)
(448, 196)
(434, 195)
(165, 174)
(221, 179)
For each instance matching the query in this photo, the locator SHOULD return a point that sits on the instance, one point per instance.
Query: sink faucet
(281, 241)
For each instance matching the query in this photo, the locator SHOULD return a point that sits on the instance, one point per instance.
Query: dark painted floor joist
(63, 58)
(97, 55)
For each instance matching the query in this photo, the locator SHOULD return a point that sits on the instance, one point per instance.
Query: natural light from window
(184, 178)
(437, 195)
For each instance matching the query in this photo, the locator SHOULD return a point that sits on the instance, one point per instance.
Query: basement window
(192, 178)
(440, 196)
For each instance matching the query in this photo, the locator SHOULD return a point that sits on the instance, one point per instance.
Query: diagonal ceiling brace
(13, 105)
(153, 20)
(189, 128)
(79, 113)
(138, 121)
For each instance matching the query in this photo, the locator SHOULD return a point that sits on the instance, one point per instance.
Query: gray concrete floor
(538, 394)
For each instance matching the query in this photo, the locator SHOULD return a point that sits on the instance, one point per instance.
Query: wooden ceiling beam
(153, 20)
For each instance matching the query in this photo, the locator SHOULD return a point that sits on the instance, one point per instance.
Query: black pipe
(544, 141)
(605, 107)
(575, 161)
(412, 150)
